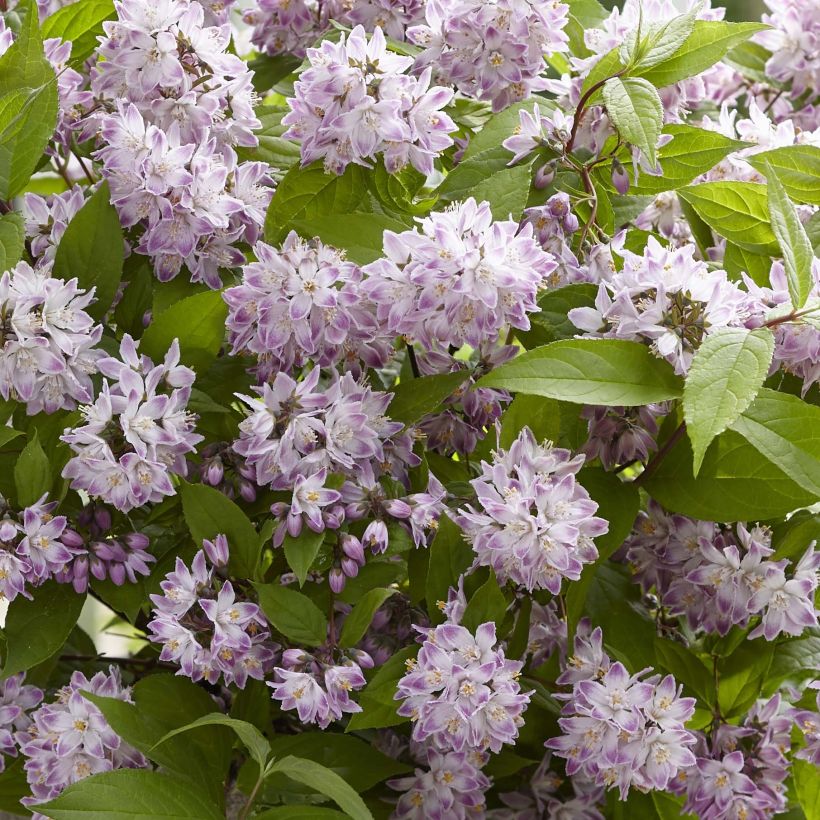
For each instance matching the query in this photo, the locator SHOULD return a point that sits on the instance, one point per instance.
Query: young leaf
(636, 111)
(358, 621)
(38, 628)
(589, 371)
(726, 373)
(301, 552)
(91, 249)
(253, 740)
(326, 782)
(414, 398)
(787, 431)
(131, 794)
(797, 251)
(293, 614)
(32, 473)
(738, 211)
(208, 513)
(198, 322)
(487, 604)
(666, 41)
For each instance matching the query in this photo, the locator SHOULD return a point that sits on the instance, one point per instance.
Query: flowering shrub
(425, 395)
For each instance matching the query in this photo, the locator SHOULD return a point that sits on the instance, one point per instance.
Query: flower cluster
(491, 50)
(462, 692)
(451, 788)
(794, 40)
(46, 219)
(136, 433)
(16, 701)
(303, 302)
(809, 724)
(666, 298)
(535, 523)
(717, 578)
(356, 101)
(204, 628)
(740, 771)
(458, 280)
(70, 739)
(48, 352)
(619, 729)
(174, 102)
(317, 686)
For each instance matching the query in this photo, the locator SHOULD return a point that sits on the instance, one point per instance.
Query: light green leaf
(297, 812)
(209, 512)
(131, 794)
(358, 621)
(198, 322)
(12, 240)
(91, 249)
(293, 614)
(80, 24)
(708, 42)
(795, 247)
(301, 552)
(737, 210)
(589, 371)
(807, 788)
(636, 112)
(735, 483)
(796, 166)
(415, 398)
(32, 473)
(253, 740)
(273, 148)
(326, 782)
(666, 41)
(542, 416)
(757, 266)
(787, 431)
(38, 628)
(726, 373)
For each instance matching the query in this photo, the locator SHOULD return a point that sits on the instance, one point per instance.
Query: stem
(331, 622)
(661, 454)
(246, 809)
(790, 317)
(717, 718)
(590, 189)
(411, 354)
(579, 111)
(119, 661)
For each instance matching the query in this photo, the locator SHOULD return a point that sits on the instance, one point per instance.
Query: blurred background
(735, 9)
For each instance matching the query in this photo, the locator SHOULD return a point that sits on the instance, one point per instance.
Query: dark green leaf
(487, 604)
(293, 614)
(551, 323)
(378, 698)
(414, 398)
(301, 552)
(542, 416)
(32, 473)
(450, 556)
(741, 676)
(358, 621)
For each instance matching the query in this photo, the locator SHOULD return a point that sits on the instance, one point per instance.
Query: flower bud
(620, 178)
(376, 537)
(336, 579)
(349, 567)
(544, 175)
(352, 548)
(217, 550)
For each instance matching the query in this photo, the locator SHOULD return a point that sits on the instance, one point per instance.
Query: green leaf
(131, 794)
(253, 740)
(795, 247)
(360, 764)
(542, 416)
(750, 60)
(737, 260)
(503, 125)
(727, 371)
(36, 629)
(708, 42)
(13, 788)
(273, 148)
(358, 621)
(198, 322)
(636, 112)
(32, 473)
(687, 668)
(358, 233)
(790, 538)
(741, 676)
(91, 249)
(450, 556)
(12, 240)
(310, 193)
(735, 483)
(795, 659)
(163, 703)
(552, 323)
(786, 431)
(796, 166)
(81, 25)
(691, 152)
(487, 176)
(415, 398)
(738, 211)
(589, 371)
(583, 15)
(269, 70)
(28, 106)
(293, 614)
(666, 41)
(326, 782)
(487, 604)
(377, 699)
(807, 788)
(208, 513)
(297, 812)
(301, 552)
